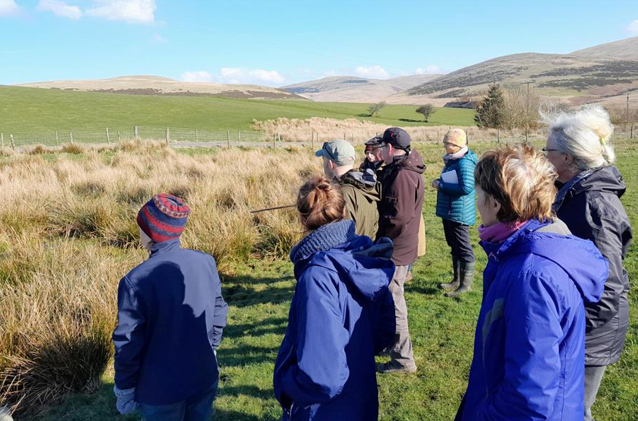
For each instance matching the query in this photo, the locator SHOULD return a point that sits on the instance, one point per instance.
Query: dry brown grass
(68, 234)
(359, 131)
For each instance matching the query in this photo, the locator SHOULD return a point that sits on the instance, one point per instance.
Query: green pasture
(32, 111)
(442, 329)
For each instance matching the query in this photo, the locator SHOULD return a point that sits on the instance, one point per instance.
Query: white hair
(584, 135)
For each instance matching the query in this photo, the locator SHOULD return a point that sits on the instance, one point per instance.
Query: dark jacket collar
(606, 178)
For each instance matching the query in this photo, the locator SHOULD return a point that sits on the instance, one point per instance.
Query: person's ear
(497, 206)
(332, 164)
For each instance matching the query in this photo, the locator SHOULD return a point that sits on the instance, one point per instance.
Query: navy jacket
(341, 315)
(456, 202)
(529, 346)
(171, 315)
(590, 206)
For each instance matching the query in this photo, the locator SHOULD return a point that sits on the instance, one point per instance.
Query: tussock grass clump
(73, 148)
(68, 234)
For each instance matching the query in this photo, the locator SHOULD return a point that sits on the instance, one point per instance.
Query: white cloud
(8, 8)
(130, 11)
(60, 9)
(633, 27)
(249, 76)
(199, 76)
(374, 72)
(431, 69)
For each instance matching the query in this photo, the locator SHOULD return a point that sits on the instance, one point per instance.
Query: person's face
(561, 161)
(328, 167)
(387, 152)
(488, 207)
(373, 155)
(451, 148)
(146, 241)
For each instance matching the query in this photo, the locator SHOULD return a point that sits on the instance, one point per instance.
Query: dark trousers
(458, 238)
(197, 408)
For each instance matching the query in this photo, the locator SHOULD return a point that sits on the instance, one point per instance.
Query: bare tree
(520, 107)
(427, 110)
(374, 109)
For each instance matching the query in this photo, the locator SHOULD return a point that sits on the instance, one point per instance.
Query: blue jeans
(197, 408)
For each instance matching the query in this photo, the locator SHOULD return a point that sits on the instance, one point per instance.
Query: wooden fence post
(168, 135)
(13, 145)
(108, 138)
(2, 139)
(228, 138)
(118, 136)
(632, 131)
(498, 139)
(196, 136)
(57, 141)
(239, 135)
(135, 133)
(71, 136)
(312, 140)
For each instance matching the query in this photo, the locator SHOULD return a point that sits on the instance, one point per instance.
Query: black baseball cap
(397, 137)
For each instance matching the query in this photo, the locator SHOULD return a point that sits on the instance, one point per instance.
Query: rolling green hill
(33, 110)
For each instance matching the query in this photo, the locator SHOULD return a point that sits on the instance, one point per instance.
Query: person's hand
(435, 183)
(125, 400)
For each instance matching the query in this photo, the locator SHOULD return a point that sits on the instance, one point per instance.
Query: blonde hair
(320, 202)
(585, 135)
(521, 180)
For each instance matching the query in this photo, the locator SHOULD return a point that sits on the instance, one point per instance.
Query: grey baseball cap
(340, 152)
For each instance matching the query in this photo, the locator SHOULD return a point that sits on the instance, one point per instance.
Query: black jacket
(590, 206)
(401, 205)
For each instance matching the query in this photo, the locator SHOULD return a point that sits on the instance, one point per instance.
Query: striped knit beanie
(163, 217)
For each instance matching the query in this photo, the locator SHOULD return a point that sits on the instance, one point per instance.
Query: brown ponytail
(320, 202)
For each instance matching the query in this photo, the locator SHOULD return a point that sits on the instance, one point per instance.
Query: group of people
(554, 312)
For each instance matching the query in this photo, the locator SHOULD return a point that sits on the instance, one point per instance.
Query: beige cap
(456, 137)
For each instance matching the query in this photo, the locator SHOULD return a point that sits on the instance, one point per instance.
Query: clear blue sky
(282, 42)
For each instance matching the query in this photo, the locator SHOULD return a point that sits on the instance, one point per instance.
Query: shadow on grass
(244, 291)
(411, 120)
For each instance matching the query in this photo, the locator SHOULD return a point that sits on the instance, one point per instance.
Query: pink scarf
(498, 233)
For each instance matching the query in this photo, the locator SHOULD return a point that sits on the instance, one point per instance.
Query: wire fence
(251, 137)
(113, 135)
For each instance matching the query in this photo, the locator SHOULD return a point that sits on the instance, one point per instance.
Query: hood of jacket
(603, 179)
(579, 258)
(365, 182)
(411, 161)
(360, 263)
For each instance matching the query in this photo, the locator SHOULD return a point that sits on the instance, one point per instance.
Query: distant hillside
(626, 49)
(157, 85)
(355, 89)
(582, 78)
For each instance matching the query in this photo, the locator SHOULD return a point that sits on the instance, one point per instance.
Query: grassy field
(258, 290)
(31, 110)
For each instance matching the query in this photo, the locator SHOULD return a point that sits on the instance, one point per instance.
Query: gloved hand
(125, 400)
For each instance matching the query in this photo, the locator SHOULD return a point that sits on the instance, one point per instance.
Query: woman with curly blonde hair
(529, 344)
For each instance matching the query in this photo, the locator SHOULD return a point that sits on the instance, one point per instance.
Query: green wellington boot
(466, 276)
(455, 281)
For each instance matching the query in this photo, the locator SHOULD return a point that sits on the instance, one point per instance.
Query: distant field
(31, 110)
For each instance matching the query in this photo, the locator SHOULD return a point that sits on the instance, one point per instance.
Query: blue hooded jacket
(341, 315)
(529, 347)
(171, 316)
(457, 202)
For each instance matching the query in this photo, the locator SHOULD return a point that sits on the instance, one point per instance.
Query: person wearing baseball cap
(455, 205)
(372, 154)
(400, 215)
(171, 316)
(360, 189)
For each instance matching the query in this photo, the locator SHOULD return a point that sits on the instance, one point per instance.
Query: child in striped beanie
(162, 218)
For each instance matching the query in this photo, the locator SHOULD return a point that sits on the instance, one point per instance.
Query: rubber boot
(466, 275)
(455, 281)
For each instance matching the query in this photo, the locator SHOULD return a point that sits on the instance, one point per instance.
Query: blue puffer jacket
(341, 315)
(171, 316)
(529, 346)
(456, 202)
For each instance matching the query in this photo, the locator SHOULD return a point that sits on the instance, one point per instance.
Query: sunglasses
(546, 149)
